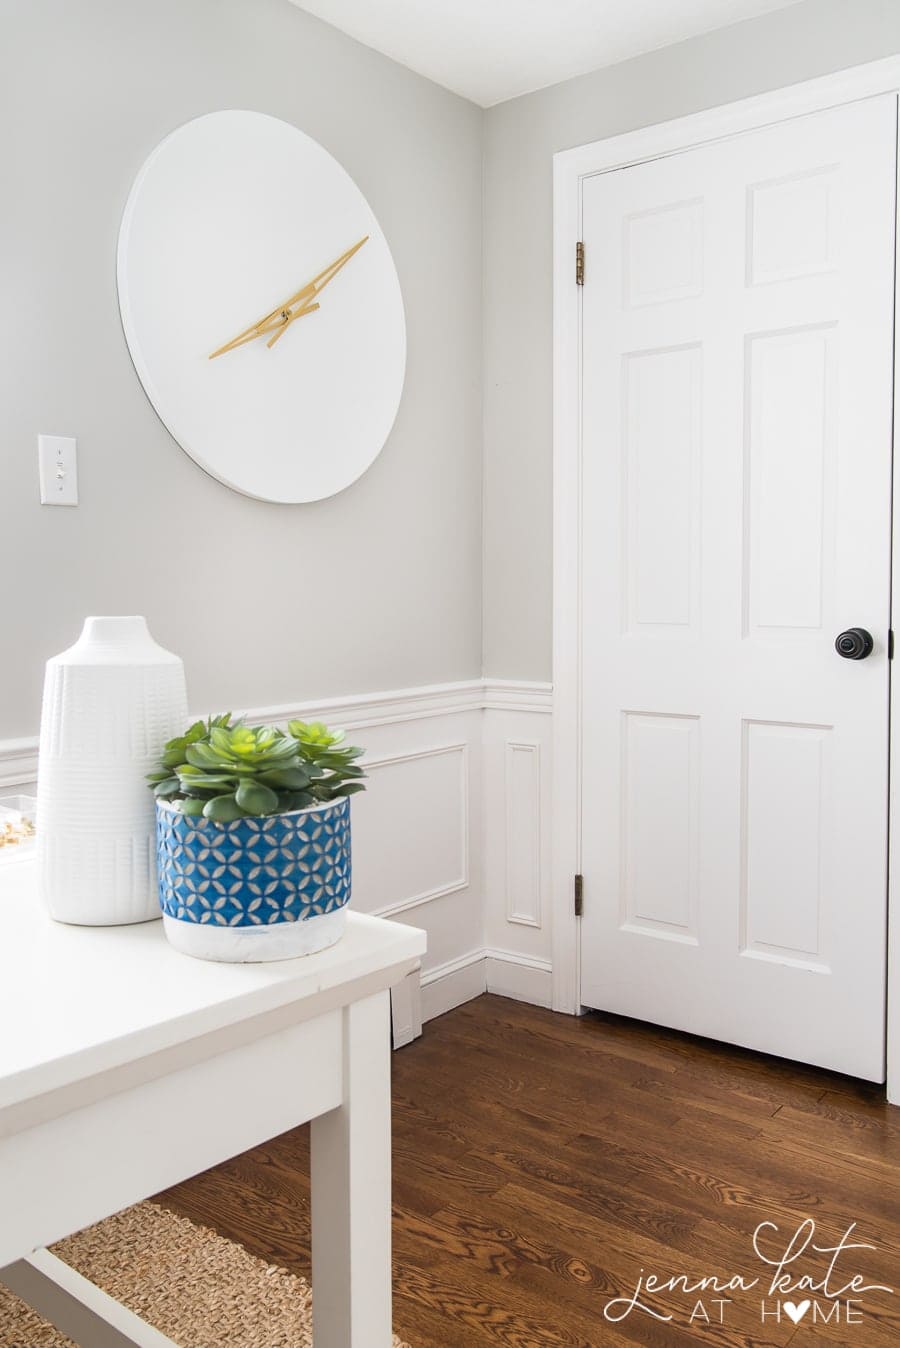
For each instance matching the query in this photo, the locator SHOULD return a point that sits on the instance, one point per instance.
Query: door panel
(737, 350)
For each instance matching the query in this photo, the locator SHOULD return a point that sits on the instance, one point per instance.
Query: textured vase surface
(260, 888)
(111, 702)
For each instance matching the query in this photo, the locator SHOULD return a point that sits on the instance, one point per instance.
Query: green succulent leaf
(295, 800)
(204, 756)
(282, 779)
(210, 786)
(256, 798)
(192, 806)
(282, 750)
(314, 734)
(174, 752)
(222, 741)
(191, 773)
(223, 810)
(229, 769)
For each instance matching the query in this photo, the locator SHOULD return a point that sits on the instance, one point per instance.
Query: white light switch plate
(58, 469)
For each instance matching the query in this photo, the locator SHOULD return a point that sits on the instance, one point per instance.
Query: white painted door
(737, 407)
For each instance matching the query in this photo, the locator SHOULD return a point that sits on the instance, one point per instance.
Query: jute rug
(199, 1289)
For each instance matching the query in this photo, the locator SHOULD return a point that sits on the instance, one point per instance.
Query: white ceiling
(491, 50)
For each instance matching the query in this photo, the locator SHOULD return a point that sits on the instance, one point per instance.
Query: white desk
(126, 1067)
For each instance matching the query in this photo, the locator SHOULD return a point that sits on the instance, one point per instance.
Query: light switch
(58, 469)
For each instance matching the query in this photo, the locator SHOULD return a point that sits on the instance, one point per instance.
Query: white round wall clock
(261, 307)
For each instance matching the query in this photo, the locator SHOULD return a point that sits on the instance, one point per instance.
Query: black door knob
(854, 644)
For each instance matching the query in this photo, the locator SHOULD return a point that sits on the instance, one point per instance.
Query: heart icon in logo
(796, 1312)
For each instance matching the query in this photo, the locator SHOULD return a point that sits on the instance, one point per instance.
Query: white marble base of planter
(253, 945)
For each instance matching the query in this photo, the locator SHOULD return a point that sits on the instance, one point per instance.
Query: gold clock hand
(281, 317)
(314, 287)
(277, 319)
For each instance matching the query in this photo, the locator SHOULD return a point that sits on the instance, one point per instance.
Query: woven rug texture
(199, 1289)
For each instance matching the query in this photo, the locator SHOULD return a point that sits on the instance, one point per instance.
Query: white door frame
(570, 168)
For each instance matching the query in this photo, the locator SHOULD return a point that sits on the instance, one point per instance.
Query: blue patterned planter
(261, 888)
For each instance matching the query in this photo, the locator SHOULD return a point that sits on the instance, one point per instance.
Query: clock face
(241, 232)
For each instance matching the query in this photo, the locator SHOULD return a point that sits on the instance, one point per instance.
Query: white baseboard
(449, 985)
(518, 976)
(500, 971)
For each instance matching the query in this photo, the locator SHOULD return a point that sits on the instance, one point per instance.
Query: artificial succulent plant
(226, 770)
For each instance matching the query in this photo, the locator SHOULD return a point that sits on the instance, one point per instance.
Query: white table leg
(351, 1190)
(84, 1312)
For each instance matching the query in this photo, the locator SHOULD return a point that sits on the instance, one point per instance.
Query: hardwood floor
(543, 1163)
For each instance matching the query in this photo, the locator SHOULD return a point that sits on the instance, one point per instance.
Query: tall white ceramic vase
(110, 703)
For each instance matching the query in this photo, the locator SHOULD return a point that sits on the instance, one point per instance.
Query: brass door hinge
(579, 264)
(579, 895)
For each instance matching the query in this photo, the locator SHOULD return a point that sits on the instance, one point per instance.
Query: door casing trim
(570, 168)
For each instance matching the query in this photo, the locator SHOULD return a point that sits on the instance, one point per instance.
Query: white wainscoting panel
(18, 766)
(417, 828)
(411, 829)
(516, 774)
(523, 832)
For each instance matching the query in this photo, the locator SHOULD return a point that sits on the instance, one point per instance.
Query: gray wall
(783, 48)
(379, 587)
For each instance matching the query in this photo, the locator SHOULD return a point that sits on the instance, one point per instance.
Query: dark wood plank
(542, 1163)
